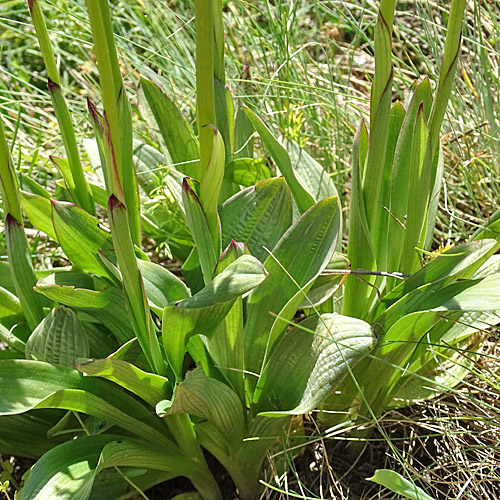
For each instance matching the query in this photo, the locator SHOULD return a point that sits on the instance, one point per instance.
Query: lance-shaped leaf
(246, 171)
(310, 361)
(59, 339)
(327, 283)
(226, 345)
(39, 212)
(417, 197)
(22, 272)
(11, 311)
(68, 472)
(55, 287)
(257, 216)
(381, 239)
(360, 251)
(456, 263)
(48, 386)
(398, 484)
(16, 440)
(300, 255)
(178, 138)
(202, 312)
(150, 387)
(9, 185)
(279, 154)
(380, 109)
(200, 229)
(132, 284)
(80, 237)
(311, 175)
(161, 286)
(211, 400)
(210, 186)
(408, 321)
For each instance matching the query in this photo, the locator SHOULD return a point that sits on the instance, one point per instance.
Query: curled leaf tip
(214, 129)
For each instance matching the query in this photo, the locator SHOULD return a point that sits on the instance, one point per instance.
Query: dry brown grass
(450, 447)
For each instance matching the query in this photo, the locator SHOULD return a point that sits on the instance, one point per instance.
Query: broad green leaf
(246, 171)
(114, 316)
(59, 339)
(148, 386)
(47, 386)
(134, 453)
(10, 308)
(226, 345)
(211, 400)
(360, 250)
(257, 216)
(243, 132)
(408, 321)
(22, 273)
(26, 435)
(279, 154)
(177, 136)
(380, 234)
(80, 236)
(418, 196)
(90, 404)
(200, 230)
(133, 285)
(398, 484)
(55, 288)
(161, 286)
(456, 263)
(300, 255)
(310, 174)
(39, 212)
(67, 471)
(147, 161)
(310, 361)
(202, 312)
(440, 368)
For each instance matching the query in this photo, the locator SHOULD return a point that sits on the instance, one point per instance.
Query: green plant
(100, 369)
(425, 322)
(136, 407)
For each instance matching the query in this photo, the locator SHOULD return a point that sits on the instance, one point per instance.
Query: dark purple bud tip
(94, 111)
(53, 86)
(215, 131)
(11, 222)
(30, 5)
(114, 203)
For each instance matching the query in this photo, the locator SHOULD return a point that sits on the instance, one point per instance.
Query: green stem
(133, 285)
(182, 428)
(117, 116)
(205, 54)
(8, 179)
(77, 185)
